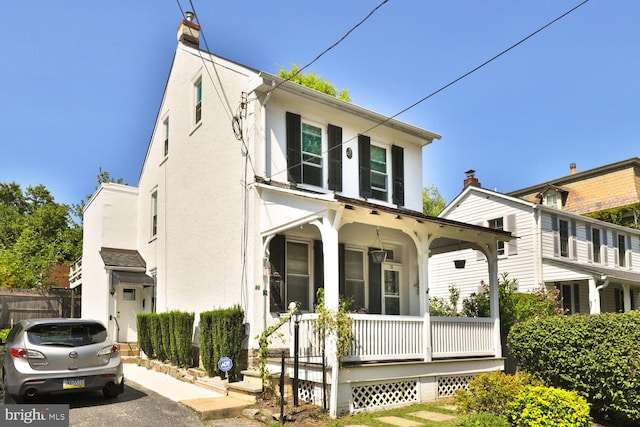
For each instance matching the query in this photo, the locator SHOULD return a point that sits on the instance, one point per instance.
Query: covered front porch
(328, 242)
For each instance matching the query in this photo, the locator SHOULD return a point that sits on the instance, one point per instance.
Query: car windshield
(67, 334)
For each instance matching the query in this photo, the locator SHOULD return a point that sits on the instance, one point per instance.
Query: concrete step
(244, 391)
(218, 407)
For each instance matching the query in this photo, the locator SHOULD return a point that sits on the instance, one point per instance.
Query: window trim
(375, 191)
(596, 249)
(364, 280)
(500, 246)
(197, 100)
(154, 213)
(309, 275)
(322, 156)
(165, 129)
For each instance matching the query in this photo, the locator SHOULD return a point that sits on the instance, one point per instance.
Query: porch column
(594, 297)
(626, 295)
(329, 232)
(423, 273)
(492, 259)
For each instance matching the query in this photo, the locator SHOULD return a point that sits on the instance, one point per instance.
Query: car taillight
(23, 353)
(108, 350)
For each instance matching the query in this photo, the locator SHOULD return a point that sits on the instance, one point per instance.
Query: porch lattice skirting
(447, 386)
(310, 392)
(381, 395)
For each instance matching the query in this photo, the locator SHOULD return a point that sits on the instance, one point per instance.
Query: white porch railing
(388, 338)
(462, 336)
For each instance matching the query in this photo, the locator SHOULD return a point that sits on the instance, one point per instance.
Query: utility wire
(445, 86)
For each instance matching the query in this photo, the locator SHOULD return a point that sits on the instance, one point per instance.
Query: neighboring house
(613, 186)
(594, 264)
(256, 191)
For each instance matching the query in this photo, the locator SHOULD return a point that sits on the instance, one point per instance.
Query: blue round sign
(225, 364)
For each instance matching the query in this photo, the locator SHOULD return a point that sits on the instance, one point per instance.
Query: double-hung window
(297, 278)
(375, 167)
(354, 277)
(198, 100)
(564, 237)
(597, 246)
(498, 224)
(379, 176)
(166, 136)
(154, 214)
(312, 162)
(622, 250)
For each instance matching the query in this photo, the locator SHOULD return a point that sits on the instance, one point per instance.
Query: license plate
(73, 383)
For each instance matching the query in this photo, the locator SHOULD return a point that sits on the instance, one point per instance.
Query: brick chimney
(189, 31)
(572, 168)
(471, 179)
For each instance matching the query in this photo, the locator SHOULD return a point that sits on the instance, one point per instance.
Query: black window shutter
(511, 227)
(375, 286)
(277, 260)
(335, 157)
(397, 168)
(341, 270)
(364, 160)
(318, 269)
(294, 147)
(576, 295)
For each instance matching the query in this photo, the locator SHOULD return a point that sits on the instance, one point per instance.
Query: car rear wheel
(113, 390)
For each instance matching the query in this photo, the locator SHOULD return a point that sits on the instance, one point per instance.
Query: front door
(390, 290)
(128, 307)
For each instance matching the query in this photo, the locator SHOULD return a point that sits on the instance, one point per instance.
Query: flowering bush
(477, 304)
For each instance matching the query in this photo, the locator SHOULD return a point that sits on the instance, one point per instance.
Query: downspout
(604, 284)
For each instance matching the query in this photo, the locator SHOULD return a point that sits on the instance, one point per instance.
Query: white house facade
(594, 264)
(256, 191)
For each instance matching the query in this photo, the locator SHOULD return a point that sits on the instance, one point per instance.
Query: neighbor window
(622, 250)
(166, 137)
(379, 184)
(551, 199)
(198, 101)
(311, 155)
(154, 214)
(564, 238)
(354, 277)
(570, 295)
(498, 224)
(297, 279)
(595, 239)
(128, 294)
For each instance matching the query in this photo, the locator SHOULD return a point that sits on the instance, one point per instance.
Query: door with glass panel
(390, 290)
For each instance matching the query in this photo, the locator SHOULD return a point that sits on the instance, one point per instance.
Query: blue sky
(81, 81)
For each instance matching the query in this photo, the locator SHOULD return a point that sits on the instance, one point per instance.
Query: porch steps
(249, 388)
(129, 352)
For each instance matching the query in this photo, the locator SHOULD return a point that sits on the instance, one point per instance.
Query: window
(597, 247)
(354, 278)
(498, 224)
(312, 155)
(154, 214)
(379, 173)
(564, 238)
(570, 294)
(198, 101)
(166, 137)
(297, 279)
(128, 294)
(551, 199)
(622, 250)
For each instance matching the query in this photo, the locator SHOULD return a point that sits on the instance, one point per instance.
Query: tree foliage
(432, 202)
(103, 177)
(36, 235)
(313, 81)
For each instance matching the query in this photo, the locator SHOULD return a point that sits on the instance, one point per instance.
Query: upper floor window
(166, 136)
(379, 173)
(551, 199)
(310, 148)
(597, 246)
(622, 250)
(564, 237)
(198, 100)
(498, 224)
(154, 214)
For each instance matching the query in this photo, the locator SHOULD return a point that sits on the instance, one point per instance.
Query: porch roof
(602, 272)
(127, 258)
(132, 278)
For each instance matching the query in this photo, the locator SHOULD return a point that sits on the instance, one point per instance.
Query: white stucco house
(257, 191)
(594, 264)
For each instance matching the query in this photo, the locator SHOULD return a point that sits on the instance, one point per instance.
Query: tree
(313, 81)
(36, 235)
(432, 201)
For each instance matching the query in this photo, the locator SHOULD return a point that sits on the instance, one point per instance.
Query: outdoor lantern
(378, 256)
(296, 316)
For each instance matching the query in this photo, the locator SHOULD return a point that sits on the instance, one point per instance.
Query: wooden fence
(19, 304)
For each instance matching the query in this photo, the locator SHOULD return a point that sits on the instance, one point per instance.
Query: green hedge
(156, 337)
(221, 334)
(539, 406)
(145, 342)
(182, 337)
(596, 355)
(167, 336)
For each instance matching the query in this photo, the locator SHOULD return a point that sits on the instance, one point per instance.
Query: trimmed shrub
(156, 337)
(539, 406)
(484, 419)
(182, 340)
(491, 392)
(596, 355)
(221, 334)
(143, 323)
(165, 335)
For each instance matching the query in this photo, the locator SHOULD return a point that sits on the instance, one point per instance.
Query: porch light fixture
(378, 256)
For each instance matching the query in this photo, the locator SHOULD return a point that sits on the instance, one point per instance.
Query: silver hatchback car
(46, 356)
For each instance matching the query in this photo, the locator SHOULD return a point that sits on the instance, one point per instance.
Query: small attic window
(551, 199)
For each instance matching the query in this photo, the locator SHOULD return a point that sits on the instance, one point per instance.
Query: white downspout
(605, 283)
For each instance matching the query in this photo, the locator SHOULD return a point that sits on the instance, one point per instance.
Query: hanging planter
(378, 256)
(459, 263)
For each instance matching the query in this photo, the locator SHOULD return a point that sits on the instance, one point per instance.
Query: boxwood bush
(596, 355)
(539, 406)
